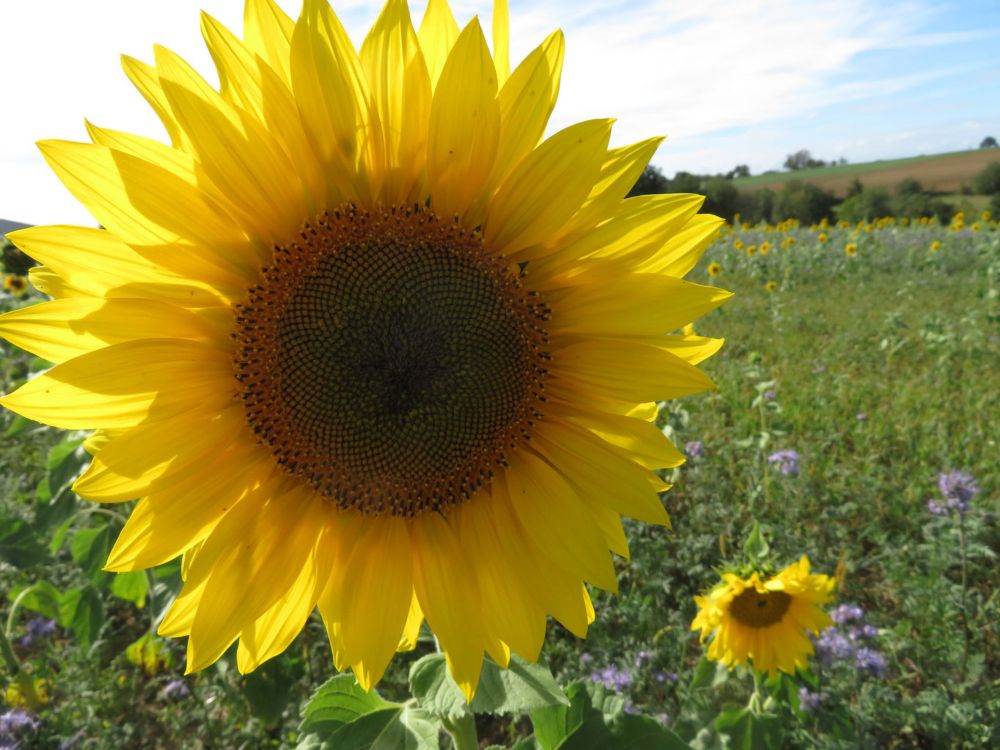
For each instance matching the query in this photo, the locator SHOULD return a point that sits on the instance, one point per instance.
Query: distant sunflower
(851, 249)
(14, 284)
(751, 250)
(771, 286)
(714, 269)
(935, 246)
(765, 248)
(765, 621)
(359, 338)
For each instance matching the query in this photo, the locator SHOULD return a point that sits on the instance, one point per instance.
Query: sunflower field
(855, 422)
(370, 416)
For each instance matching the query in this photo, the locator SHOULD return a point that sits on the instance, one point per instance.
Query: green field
(938, 172)
(879, 370)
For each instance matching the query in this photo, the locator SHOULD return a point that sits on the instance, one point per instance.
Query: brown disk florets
(389, 360)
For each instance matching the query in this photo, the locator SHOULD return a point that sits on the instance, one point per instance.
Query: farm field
(860, 366)
(941, 173)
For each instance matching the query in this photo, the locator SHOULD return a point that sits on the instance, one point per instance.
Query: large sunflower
(359, 338)
(765, 621)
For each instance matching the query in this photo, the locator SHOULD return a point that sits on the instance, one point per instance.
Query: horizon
(769, 78)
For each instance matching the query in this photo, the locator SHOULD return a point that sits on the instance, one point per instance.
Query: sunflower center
(757, 610)
(389, 360)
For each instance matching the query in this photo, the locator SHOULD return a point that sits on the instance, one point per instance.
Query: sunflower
(751, 250)
(765, 247)
(361, 339)
(771, 286)
(765, 621)
(935, 246)
(714, 269)
(851, 249)
(15, 284)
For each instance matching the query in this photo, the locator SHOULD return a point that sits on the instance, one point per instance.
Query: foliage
(987, 182)
(804, 202)
(870, 203)
(989, 142)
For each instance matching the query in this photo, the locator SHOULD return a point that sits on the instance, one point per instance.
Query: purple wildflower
(663, 717)
(694, 448)
(846, 613)
(15, 722)
(958, 485)
(770, 395)
(37, 628)
(955, 503)
(176, 689)
(871, 661)
(662, 677)
(863, 633)
(787, 461)
(833, 646)
(861, 416)
(643, 658)
(937, 507)
(630, 709)
(612, 678)
(586, 658)
(810, 701)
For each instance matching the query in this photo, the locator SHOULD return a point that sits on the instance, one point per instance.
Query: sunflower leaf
(521, 687)
(395, 726)
(339, 701)
(747, 731)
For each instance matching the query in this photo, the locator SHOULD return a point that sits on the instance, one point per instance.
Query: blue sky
(728, 81)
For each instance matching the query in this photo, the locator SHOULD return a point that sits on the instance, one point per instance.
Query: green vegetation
(879, 370)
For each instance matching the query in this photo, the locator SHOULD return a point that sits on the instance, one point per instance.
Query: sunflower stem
(7, 653)
(462, 731)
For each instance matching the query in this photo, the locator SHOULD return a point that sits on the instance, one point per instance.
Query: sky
(727, 81)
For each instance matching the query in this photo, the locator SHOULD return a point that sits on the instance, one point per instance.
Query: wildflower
(847, 613)
(37, 629)
(176, 690)
(662, 677)
(833, 646)
(714, 269)
(770, 395)
(20, 696)
(861, 416)
(958, 485)
(765, 620)
(935, 246)
(643, 658)
(612, 678)
(14, 724)
(694, 448)
(150, 653)
(771, 286)
(870, 661)
(851, 249)
(822, 237)
(586, 658)
(937, 507)
(337, 240)
(786, 460)
(810, 701)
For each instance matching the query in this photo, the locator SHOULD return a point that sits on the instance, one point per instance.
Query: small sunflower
(771, 286)
(851, 249)
(714, 269)
(751, 250)
(738, 244)
(361, 339)
(822, 237)
(16, 285)
(765, 247)
(935, 246)
(765, 621)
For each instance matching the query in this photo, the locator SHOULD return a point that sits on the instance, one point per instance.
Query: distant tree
(721, 197)
(869, 204)
(854, 188)
(802, 159)
(650, 181)
(989, 142)
(911, 200)
(755, 206)
(740, 170)
(987, 182)
(685, 182)
(909, 186)
(803, 201)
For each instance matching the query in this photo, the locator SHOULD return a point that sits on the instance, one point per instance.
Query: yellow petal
(377, 601)
(464, 126)
(401, 94)
(556, 520)
(501, 40)
(644, 442)
(144, 78)
(411, 628)
(139, 461)
(682, 252)
(66, 328)
(546, 188)
(267, 31)
(101, 265)
(449, 599)
(125, 384)
(693, 349)
(437, 34)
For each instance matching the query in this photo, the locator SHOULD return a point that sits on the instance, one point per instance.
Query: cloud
(688, 70)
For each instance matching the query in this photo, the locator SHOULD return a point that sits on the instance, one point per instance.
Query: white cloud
(659, 67)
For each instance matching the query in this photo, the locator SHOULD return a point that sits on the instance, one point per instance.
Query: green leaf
(393, 728)
(132, 586)
(708, 674)
(90, 548)
(338, 701)
(41, 597)
(81, 611)
(268, 690)
(749, 731)
(631, 732)
(65, 461)
(18, 425)
(18, 545)
(756, 546)
(554, 723)
(520, 688)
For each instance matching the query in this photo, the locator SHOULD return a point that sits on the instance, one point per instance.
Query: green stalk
(462, 731)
